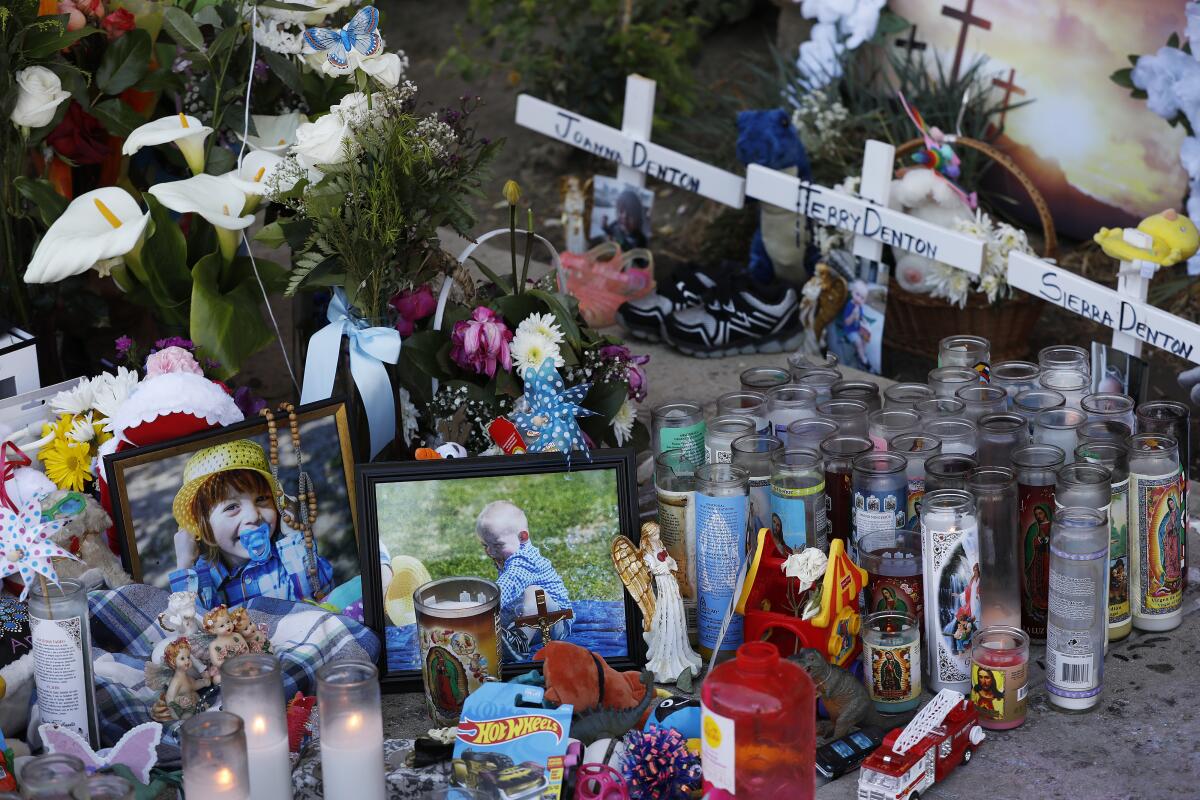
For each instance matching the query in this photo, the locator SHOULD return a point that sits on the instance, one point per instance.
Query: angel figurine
(221, 641)
(180, 620)
(255, 635)
(629, 565)
(670, 654)
(180, 691)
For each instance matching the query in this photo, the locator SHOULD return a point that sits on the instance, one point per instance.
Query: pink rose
(412, 305)
(172, 359)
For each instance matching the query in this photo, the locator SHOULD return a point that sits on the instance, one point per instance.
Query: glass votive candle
(905, 395)
(892, 559)
(948, 471)
(798, 518)
(1000, 676)
(678, 426)
(675, 490)
(754, 454)
(995, 493)
(957, 435)
(1104, 430)
(351, 730)
(849, 415)
(464, 612)
(998, 436)
(1059, 427)
(891, 644)
(880, 495)
(973, 352)
(981, 400)
(950, 577)
(939, 408)
(809, 433)
(788, 403)
(1085, 485)
(1070, 384)
(1037, 470)
(721, 506)
(885, 424)
(763, 379)
(747, 404)
(801, 363)
(213, 745)
(864, 391)
(1015, 377)
(720, 433)
(1108, 406)
(54, 776)
(917, 447)
(1034, 401)
(838, 453)
(946, 381)
(252, 688)
(820, 381)
(1065, 356)
(104, 787)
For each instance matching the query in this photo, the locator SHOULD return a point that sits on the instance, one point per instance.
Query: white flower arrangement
(543, 325)
(74, 401)
(110, 391)
(529, 349)
(1000, 239)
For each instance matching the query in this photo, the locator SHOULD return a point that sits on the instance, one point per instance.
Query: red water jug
(758, 736)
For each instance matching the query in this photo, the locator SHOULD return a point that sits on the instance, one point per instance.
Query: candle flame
(183, 120)
(261, 171)
(106, 213)
(224, 777)
(354, 722)
(259, 725)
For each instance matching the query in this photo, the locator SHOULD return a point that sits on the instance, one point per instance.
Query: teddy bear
(85, 535)
(924, 194)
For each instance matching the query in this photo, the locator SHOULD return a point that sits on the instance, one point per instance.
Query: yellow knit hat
(240, 454)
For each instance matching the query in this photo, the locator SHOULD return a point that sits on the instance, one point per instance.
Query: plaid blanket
(124, 632)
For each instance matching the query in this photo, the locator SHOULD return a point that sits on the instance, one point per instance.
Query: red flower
(413, 305)
(79, 137)
(118, 23)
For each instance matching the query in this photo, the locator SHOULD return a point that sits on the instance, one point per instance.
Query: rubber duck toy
(1173, 236)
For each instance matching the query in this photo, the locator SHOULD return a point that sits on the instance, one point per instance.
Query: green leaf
(41, 195)
(421, 350)
(183, 29)
(124, 63)
(516, 307)
(45, 40)
(220, 160)
(606, 398)
(164, 268)
(271, 235)
(285, 71)
(118, 118)
(227, 326)
(1123, 77)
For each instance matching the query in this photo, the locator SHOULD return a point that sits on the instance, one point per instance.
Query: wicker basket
(917, 323)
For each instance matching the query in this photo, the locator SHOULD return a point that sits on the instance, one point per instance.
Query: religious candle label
(916, 493)
(760, 505)
(1118, 555)
(838, 506)
(720, 549)
(999, 690)
(791, 507)
(1070, 650)
(717, 455)
(1158, 526)
(895, 672)
(1036, 515)
(877, 511)
(689, 439)
(676, 525)
(897, 593)
(952, 556)
(457, 655)
(58, 670)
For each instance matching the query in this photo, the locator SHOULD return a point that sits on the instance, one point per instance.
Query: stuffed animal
(85, 535)
(924, 194)
(580, 677)
(778, 247)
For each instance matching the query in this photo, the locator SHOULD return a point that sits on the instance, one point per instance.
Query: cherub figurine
(222, 639)
(670, 654)
(180, 697)
(255, 635)
(180, 620)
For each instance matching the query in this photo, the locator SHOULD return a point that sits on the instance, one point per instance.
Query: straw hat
(240, 454)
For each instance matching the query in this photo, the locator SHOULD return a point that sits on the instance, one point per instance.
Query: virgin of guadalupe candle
(838, 453)
(798, 501)
(1156, 528)
(1175, 420)
(213, 746)
(1000, 676)
(62, 656)
(675, 486)
(900, 396)
(892, 560)
(457, 624)
(1037, 467)
(755, 454)
(973, 352)
(880, 495)
(747, 404)
(678, 426)
(1078, 609)
(719, 436)
(950, 549)
(252, 688)
(352, 762)
(917, 448)
(1115, 457)
(788, 403)
(892, 660)
(721, 509)
(763, 379)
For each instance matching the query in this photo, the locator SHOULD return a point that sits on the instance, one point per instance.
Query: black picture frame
(371, 476)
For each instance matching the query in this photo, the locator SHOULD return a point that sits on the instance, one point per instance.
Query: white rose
(39, 91)
(806, 566)
(388, 68)
(322, 142)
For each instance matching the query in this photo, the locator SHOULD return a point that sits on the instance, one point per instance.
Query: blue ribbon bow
(370, 347)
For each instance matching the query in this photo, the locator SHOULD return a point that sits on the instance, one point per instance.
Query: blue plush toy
(768, 138)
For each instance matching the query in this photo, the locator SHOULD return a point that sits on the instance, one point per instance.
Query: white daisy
(409, 417)
(82, 429)
(110, 391)
(543, 325)
(74, 401)
(530, 349)
(622, 423)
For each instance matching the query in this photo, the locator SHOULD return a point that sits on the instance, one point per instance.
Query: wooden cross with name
(1010, 88)
(910, 44)
(968, 19)
(544, 619)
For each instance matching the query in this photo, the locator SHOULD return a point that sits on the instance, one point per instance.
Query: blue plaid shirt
(284, 576)
(524, 568)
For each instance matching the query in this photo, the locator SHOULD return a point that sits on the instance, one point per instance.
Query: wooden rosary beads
(306, 496)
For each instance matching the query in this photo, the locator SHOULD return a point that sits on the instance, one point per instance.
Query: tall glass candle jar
(1078, 608)
(1157, 527)
(721, 508)
(252, 688)
(917, 448)
(465, 613)
(1115, 457)
(892, 560)
(891, 656)
(104, 787)
(1059, 427)
(999, 435)
(865, 391)
(54, 776)
(788, 403)
(1175, 420)
(900, 396)
(1065, 356)
(950, 549)
(719, 435)
(807, 434)
(1015, 377)
(1034, 401)
(820, 381)
(973, 352)
(351, 730)
(995, 492)
(1083, 484)
(62, 656)
(1108, 405)
(763, 379)
(675, 486)
(1104, 430)
(957, 435)
(838, 452)
(1000, 676)
(213, 746)
(849, 415)
(747, 404)
(939, 408)
(678, 426)
(880, 495)
(1037, 470)
(948, 471)
(885, 424)
(754, 454)
(981, 400)
(946, 381)
(1070, 384)
(798, 501)
(801, 363)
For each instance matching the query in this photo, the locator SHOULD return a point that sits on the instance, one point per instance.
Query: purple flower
(412, 305)
(123, 343)
(634, 374)
(247, 403)
(175, 341)
(481, 342)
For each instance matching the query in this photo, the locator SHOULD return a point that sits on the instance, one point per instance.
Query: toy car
(523, 782)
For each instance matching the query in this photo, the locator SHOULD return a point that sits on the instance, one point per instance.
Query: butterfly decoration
(937, 154)
(550, 422)
(361, 34)
(137, 749)
(25, 545)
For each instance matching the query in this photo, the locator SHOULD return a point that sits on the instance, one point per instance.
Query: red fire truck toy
(909, 761)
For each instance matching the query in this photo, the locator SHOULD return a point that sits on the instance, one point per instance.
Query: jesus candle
(252, 688)
(999, 676)
(351, 730)
(213, 746)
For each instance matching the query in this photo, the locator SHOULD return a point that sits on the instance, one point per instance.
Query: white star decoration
(25, 545)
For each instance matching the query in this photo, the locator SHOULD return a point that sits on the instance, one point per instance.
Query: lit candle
(351, 730)
(214, 757)
(252, 688)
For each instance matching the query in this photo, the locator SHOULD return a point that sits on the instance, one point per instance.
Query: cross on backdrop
(1010, 88)
(968, 19)
(910, 44)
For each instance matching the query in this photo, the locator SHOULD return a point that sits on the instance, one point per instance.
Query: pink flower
(412, 305)
(118, 23)
(172, 359)
(481, 342)
(78, 11)
(634, 374)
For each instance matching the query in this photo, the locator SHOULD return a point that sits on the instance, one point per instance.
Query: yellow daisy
(61, 428)
(68, 464)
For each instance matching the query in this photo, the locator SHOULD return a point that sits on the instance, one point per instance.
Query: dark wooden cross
(911, 43)
(1010, 88)
(544, 619)
(968, 18)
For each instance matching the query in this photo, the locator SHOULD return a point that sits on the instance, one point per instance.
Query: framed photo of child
(528, 523)
(207, 513)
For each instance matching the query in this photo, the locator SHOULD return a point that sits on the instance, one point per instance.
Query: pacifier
(600, 782)
(257, 542)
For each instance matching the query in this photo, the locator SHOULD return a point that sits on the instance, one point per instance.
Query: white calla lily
(215, 199)
(252, 177)
(98, 225)
(186, 132)
(275, 133)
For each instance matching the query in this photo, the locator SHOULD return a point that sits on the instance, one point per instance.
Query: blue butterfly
(361, 34)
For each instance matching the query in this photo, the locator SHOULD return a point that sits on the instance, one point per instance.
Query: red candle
(999, 676)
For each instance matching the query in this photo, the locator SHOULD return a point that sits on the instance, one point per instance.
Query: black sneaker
(755, 319)
(646, 317)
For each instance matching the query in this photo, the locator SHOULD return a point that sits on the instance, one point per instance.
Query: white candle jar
(352, 762)
(213, 746)
(252, 688)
